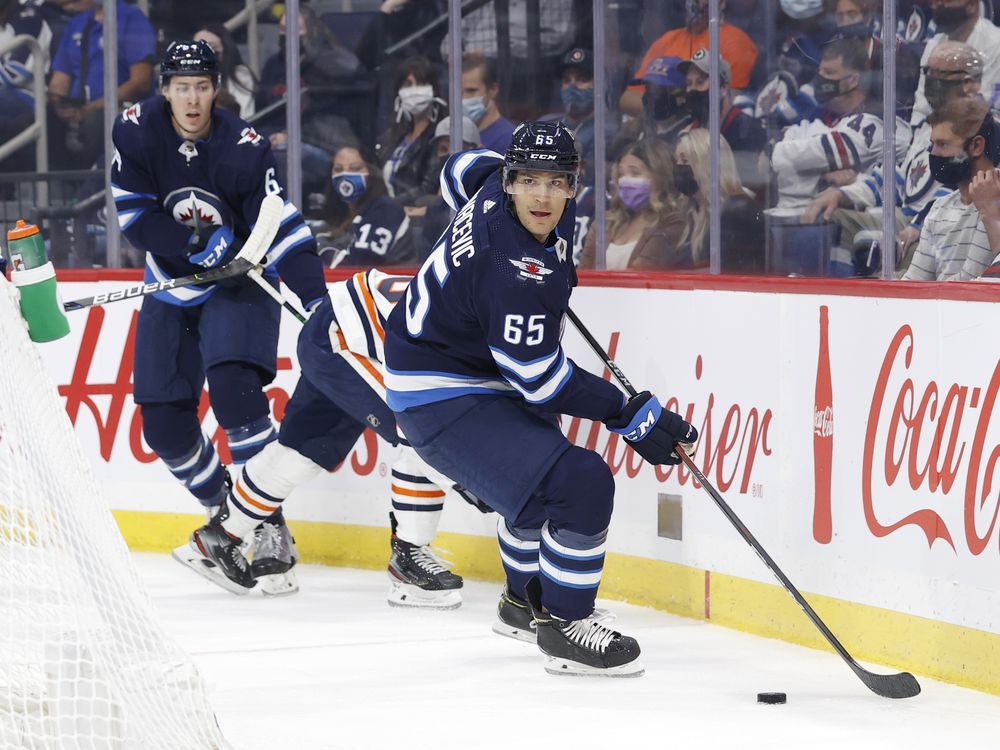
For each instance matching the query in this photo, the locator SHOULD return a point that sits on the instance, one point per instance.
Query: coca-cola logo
(823, 422)
(108, 402)
(730, 438)
(918, 435)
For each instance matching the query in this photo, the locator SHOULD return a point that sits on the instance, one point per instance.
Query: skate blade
(279, 584)
(518, 634)
(208, 570)
(408, 595)
(564, 667)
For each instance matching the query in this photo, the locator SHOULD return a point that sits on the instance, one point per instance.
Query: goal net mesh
(83, 662)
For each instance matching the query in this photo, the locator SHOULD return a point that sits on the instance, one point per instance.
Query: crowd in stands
(800, 105)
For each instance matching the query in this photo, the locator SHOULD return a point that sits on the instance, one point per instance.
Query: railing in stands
(37, 131)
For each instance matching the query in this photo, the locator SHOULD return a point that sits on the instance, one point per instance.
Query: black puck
(771, 698)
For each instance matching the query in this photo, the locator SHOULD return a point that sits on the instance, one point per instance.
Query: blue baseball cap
(663, 71)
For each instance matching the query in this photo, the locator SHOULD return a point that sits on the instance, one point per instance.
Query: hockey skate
(582, 647)
(514, 619)
(215, 555)
(419, 578)
(274, 557)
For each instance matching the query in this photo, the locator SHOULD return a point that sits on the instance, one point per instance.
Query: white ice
(335, 667)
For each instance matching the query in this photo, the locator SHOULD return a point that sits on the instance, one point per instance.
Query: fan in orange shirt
(737, 48)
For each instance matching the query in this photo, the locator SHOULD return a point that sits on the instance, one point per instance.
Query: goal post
(83, 662)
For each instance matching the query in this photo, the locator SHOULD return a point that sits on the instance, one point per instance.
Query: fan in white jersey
(339, 394)
(844, 141)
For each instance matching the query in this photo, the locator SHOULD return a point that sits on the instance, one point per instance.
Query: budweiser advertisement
(857, 437)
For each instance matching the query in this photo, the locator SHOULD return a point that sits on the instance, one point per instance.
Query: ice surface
(335, 667)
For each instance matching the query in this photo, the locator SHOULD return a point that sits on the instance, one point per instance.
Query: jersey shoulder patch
(249, 135)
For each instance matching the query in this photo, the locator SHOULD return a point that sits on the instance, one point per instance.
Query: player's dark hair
(231, 57)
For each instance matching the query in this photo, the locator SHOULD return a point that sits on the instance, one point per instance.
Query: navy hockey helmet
(542, 147)
(190, 59)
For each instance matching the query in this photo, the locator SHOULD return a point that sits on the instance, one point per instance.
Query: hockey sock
(263, 484)
(200, 471)
(519, 555)
(417, 501)
(249, 440)
(571, 565)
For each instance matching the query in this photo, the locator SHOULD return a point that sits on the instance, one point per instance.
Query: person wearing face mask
(576, 91)
(858, 19)
(960, 21)
(954, 70)
(366, 227)
(644, 220)
(744, 134)
(961, 234)
(844, 141)
(737, 48)
(406, 151)
(480, 92)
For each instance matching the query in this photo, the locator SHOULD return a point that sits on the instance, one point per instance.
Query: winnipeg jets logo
(189, 150)
(194, 207)
(561, 249)
(531, 268)
(249, 135)
(488, 205)
(132, 114)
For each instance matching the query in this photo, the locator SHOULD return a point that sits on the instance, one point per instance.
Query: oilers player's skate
(216, 555)
(582, 647)
(514, 618)
(419, 578)
(274, 556)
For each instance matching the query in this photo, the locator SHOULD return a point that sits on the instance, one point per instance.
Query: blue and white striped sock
(571, 565)
(200, 471)
(249, 440)
(519, 555)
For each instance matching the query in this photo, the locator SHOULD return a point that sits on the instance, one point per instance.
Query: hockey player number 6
(513, 327)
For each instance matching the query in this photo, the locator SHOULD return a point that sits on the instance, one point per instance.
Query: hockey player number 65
(513, 327)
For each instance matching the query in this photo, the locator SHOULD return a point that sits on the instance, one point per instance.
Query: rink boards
(901, 562)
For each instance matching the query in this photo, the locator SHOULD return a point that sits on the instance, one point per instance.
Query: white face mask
(414, 100)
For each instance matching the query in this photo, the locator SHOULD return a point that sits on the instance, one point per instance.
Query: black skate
(274, 556)
(419, 578)
(582, 647)
(514, 619)
(215, 555)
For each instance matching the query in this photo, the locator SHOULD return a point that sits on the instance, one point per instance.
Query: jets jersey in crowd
(484, 315)
(812, 148)
(915, 185)
(165, 187)
(379, 236)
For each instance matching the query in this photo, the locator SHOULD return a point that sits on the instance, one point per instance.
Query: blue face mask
(474, 108)
(350, 185)
(576, 100)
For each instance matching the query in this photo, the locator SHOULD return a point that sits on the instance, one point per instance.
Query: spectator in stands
(858, 18)
(953, 70)
(323, 61)
(366, 226)
(786, 97)
(76, 88)
(435, 217)
(397, 20)
(237, 78)
(480, 92)
(961, 21)
(664, 110)
(407, 152)
(644, 220)
(744, 134)
(844, 141)
(737, 49)
(576, 91)
(956, 244)
(17, 101)
(742, 225)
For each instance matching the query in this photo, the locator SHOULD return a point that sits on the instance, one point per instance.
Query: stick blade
(264, 230)
(901, 685)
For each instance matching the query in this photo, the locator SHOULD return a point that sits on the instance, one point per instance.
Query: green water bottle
(35, 278)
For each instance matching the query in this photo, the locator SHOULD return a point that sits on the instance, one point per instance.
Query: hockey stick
(255, 275)
(250, 255)
(901, 685)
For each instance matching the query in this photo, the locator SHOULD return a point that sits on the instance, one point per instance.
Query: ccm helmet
(542, 147)
(190, 59)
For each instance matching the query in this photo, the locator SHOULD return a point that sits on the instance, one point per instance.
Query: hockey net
(83, 663)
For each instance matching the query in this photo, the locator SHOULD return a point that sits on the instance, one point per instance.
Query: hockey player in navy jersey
(475, 373)
(339, 394)
(188, 181)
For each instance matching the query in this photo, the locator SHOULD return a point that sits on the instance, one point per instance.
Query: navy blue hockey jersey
(484, 315)
(379, 236)
(165, 187)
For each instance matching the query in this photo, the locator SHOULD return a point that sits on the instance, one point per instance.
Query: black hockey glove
(213, 246)
(652, 430)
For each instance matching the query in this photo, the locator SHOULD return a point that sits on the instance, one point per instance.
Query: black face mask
(684, 180)
(661, 105)
(859, 30)
(948, 18)
(951, 170)
(697, 104)
(939, 91)
(825, 89)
